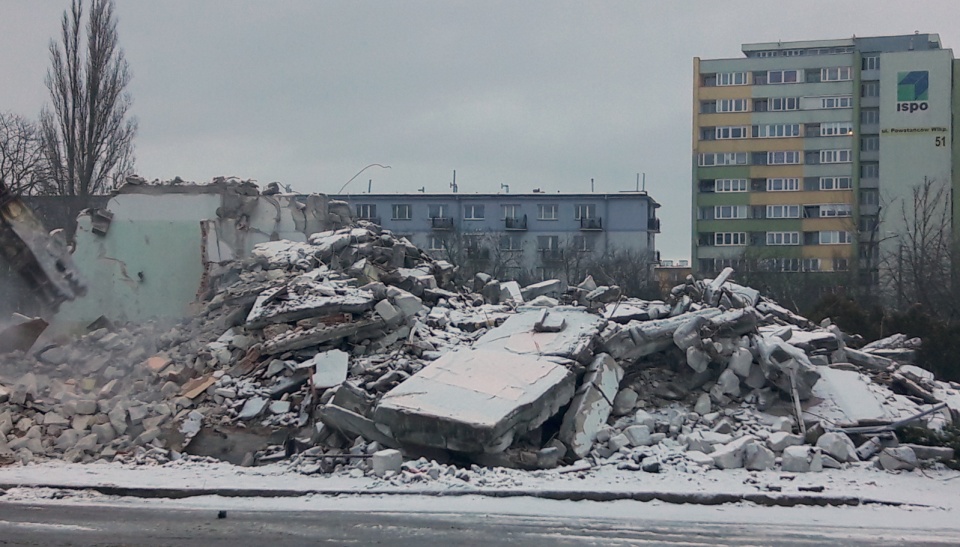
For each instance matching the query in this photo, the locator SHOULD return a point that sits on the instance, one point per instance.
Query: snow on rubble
(357, 353)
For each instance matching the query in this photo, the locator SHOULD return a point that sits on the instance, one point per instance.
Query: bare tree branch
(22, 166)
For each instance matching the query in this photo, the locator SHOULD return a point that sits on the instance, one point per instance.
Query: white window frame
(582, 244)
(589, 208)
(548, 211)
(435, 243)
(871, 62)
(783, 238)
(836, 183)
(836, 129)
(870, 143)
(786, 104)
(509, 211)
(441, 209)
(837, 155)
(398, 210)
(777, 130)
(366, 210)
(552, 243)
(836, 101)
(722, 158)
(783, 76)
(836, 74)
(470, 211)
(732, 132)
(729, 212)
(812, 264)
(783, 211)
(730, 185)
(780, 184)
(834, 210)
(732, 105)
(730, 239)
(731, 78)
(515, 243)
(835, 237)
(784, 157)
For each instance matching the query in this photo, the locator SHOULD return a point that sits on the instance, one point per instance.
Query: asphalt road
(52, 525)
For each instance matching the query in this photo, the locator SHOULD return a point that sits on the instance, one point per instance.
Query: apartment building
(804, 152)
(537, 233)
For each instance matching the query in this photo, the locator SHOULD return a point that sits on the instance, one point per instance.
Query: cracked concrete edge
(768, 499)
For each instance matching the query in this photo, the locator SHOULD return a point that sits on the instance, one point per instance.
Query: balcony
(441, 223)
(375, 220)
(653, 225)
(477, 253)
(515, 224)
(591, 224)
(551, 255)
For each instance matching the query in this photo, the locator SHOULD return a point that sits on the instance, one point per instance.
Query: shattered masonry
(352, 349)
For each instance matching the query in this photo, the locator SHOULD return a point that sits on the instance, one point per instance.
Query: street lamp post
(358, 174)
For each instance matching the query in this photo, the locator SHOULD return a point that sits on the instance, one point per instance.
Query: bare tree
(87, 134)
(22, 166)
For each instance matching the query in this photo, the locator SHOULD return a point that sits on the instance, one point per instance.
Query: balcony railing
(551, 255)
(591, 224)
(441, 223)
(515, 223)
(653, 225)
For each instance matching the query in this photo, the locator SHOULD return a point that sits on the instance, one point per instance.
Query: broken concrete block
(510, 290)
(697, 359)
(757, 457)
(475, 400)
(938, 453)
(551, 287)
(838, 445)
(639, 338)
(730, 455)
(330, 368)
(898, 458)
(87, 444)
(387, 461)
(408, 304)
(741, 362)
(591, 406)
(603, 294)
(638, 435)
(617, 442)
(517, 334)
(549, 322)
(642, 417)
(157, 363)
(703, 404)
(391, 315)
(780, 440)
(801, 459)
(252, 408)
(104, 433)
(624, 402)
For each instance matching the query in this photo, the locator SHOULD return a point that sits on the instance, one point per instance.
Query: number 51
(941, 141)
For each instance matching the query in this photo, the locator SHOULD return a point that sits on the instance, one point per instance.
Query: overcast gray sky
(531, 94)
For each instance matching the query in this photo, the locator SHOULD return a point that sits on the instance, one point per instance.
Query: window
(869, 197)
(586, 211)
(510, 243)
(776, 130)
(547, 212)
(783, 238)
(869, 170)
(436, 243)
(723, 158)
(582, 244)
(836, 183)
(548, 243)
(841, 264)
(870, 63)
(783, 211)
(836, 74)
(781, 264)
(787, 157)
(436, 211)
(721, 212)
(732, 132)
(870, 116)
(731, 78)
(783, 76)
(783, 185)
(366, 211)
(708, 107)
(510, 211)
(472, 211)
(811, 264)
(840, 101)
(835, 156)
(730, 185)
(835, 210)
(726, 239)
(732, 105)
(401, 212)
(832, 129)
(778, 104)
(870, 89)
(835, 238)
(870, 143)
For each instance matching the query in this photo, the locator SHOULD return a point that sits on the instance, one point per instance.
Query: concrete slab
(517, 335)
(591, 406)
(475, 400)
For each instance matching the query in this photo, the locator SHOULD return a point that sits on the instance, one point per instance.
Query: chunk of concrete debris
(802, 459)
(780, 440)
(730, 455)
(475, 400)
(330, 368)
(757, 457)
(549, 322)
(591, 406)
(625, 402)
(517, 334)
(838, 445)
(252, 408)
(510, 290)
(550, 287)
(898, 458)
(387, 461)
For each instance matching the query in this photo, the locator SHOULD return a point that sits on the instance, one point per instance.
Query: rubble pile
(355, 350)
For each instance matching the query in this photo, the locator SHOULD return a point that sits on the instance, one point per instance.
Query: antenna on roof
(422, 189)
(505, 187)
(454, 183)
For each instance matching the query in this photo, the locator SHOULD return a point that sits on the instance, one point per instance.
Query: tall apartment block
(538, 233)
(805, 152)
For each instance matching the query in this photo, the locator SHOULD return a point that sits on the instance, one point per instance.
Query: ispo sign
(912, 90)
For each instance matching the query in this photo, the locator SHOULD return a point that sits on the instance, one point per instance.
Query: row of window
(548, 211)
(774, 264)
(775, 157)
(781, 184)
(510, 243)
(733, 212)
(776, 130)
(826, 237)
(788, 76)
(776, 104)
(797, 52)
